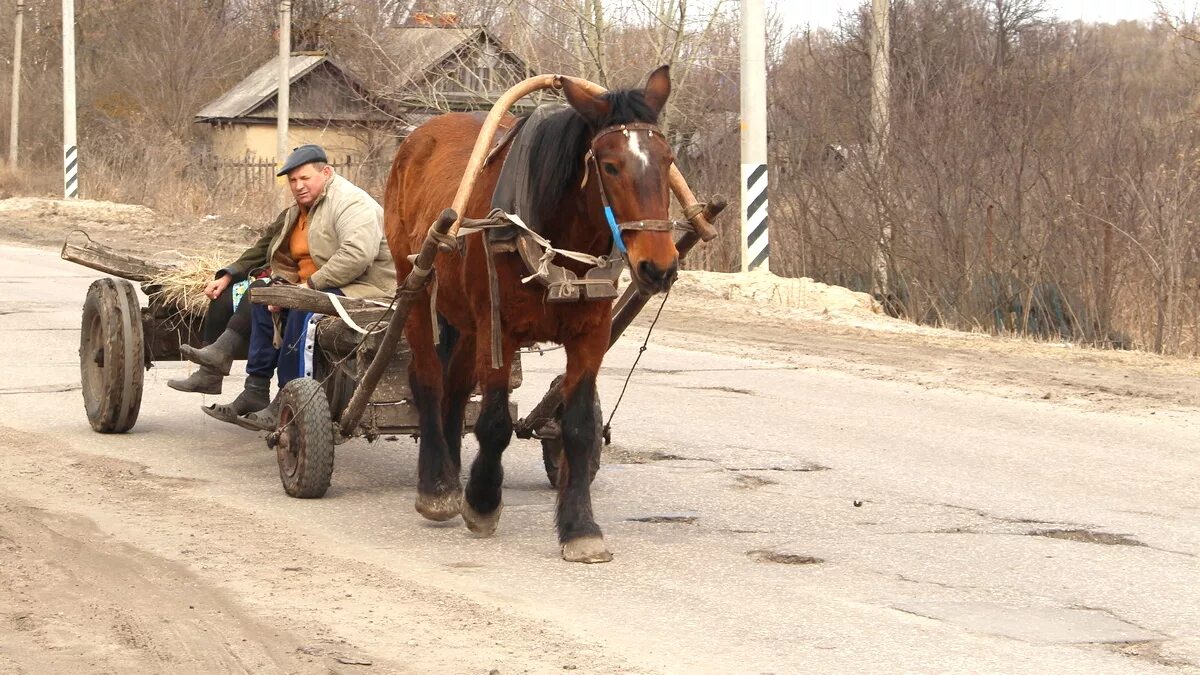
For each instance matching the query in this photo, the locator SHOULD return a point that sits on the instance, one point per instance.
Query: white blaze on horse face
(635, 147)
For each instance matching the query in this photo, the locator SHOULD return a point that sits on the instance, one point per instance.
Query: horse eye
(611, 169)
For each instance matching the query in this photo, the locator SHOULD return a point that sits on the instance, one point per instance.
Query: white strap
(345, 316)
(543, 270)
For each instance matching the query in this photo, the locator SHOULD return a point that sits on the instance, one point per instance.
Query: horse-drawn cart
(361, 384)
(120, 340)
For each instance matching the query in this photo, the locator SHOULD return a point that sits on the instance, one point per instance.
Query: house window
(488, 61)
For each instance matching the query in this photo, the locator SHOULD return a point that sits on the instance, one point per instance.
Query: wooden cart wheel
(304, 446)
(111, 356)
(552, 448)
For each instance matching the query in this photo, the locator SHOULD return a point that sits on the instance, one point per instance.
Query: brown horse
(631, 166)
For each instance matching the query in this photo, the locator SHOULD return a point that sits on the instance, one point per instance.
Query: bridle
(590, 163)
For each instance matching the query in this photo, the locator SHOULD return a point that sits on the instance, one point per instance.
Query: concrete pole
(70, 149)
(14, 128)
(285, 54)
(754, 136)
(880, 128)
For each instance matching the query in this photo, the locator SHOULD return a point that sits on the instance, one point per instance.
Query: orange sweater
(298, 245)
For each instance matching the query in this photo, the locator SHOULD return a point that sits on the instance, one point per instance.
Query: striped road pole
(754, 217)
(755, 248)
(71, 172)
(70, 149)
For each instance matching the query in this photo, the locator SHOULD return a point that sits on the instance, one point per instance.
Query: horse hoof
(440, 507)
(481, 524)
(586, 550)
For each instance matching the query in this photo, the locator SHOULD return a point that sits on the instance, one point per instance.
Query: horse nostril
(658, 277)
(650, 273)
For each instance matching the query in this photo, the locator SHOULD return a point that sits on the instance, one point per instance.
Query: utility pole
(70, 149)
(880, 129)
(754, 137)
(14, 128)
(285, 67)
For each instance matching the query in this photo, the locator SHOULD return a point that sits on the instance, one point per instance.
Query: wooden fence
(253, 174)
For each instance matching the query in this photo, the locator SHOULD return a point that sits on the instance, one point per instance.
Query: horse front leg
(578, 533)
(439, 491)
(494, 431)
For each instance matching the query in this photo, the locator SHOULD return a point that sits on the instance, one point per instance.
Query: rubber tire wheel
(112, 359)
(552, 448)
(304, 448)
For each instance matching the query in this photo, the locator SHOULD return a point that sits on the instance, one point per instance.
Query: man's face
(307, 182)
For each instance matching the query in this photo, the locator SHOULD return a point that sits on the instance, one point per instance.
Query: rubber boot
(263, 420)
(219, 355)
(255, 397)
(204, 381)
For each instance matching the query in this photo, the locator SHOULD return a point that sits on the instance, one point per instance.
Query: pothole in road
(727, 390)
(748, 482)
(765, 555)
(789, 467)
(1087, 537)
(41, 389)
(618, 455)
(1152, 652)
(683, 518)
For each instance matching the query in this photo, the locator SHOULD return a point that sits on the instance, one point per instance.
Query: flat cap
(302, 155)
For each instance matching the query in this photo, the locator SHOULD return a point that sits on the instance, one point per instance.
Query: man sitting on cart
(331, 240)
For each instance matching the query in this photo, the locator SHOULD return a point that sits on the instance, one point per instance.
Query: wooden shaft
(413, 283)
(483, 143)
(701, 221)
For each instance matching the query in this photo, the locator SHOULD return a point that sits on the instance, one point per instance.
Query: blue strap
(616, 231)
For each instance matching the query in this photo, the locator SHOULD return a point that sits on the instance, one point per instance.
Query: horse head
(629, 163)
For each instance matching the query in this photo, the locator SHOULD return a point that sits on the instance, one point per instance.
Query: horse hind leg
(439, 491)
(494, 431)
(460, 381)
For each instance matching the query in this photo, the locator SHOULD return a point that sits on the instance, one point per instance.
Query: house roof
(258, 87)
(413, 52)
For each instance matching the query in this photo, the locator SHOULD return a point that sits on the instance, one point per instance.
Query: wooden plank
(402, 418)
(393, 385)
(301, 297)
(107, 260)
(336, 337)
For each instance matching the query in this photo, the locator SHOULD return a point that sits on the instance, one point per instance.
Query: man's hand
(217, 286)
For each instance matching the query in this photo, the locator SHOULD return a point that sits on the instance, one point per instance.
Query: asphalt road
(764, 519)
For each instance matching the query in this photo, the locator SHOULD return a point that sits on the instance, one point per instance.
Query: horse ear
(658, 88)
(593, 108)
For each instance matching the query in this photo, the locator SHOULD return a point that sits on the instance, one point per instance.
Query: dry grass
(12, 182)
(182, 286)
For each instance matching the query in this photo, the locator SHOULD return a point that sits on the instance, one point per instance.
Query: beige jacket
(345, 240)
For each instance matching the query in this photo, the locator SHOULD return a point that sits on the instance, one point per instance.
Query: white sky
(824, 13)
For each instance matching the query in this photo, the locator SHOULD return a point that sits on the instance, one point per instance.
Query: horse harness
(590, 163)
(562, 284)
(538, 253)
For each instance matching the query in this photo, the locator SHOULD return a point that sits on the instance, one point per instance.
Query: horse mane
(556, 153)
